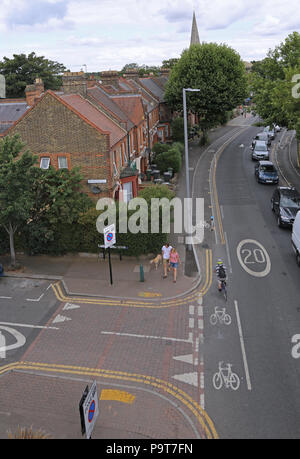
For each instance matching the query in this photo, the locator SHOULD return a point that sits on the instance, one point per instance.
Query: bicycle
(224, 288)
(231, 380)
(221, 315)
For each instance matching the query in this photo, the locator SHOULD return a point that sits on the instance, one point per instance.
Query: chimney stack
(110, 77)
(34, 91)
(75, 83)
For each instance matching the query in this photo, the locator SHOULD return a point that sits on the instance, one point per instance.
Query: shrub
(159, 148)
(171, 158)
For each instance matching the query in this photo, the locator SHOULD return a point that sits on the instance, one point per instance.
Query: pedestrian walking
(174, 260)
(165, 251)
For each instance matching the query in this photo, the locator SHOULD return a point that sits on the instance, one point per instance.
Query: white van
(296, 237)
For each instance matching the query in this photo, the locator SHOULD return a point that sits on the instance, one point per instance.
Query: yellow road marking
(200, 414)
(140, 304)
(117, 395)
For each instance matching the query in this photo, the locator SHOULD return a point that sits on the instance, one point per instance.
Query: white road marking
(189, 340)
(60, 318)
(36, 300)
(28, 326)
(228, 253)
(261, 249)
(189, 378)
(185, 358)
(70, 306)
(21, 340)
(3, 346)
(242, 345)
(5, 297)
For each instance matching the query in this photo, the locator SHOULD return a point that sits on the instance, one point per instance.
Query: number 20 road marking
(260, 256)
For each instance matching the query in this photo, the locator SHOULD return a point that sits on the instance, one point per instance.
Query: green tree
(22, 70)
(219, 73)
(57, 205)
(272, 84)
(16, 181)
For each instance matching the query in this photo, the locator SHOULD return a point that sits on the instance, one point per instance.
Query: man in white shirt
(165, 251)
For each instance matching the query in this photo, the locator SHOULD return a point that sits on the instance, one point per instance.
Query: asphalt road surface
(256, 394)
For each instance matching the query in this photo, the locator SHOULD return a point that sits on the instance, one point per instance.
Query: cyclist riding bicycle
(221, 273)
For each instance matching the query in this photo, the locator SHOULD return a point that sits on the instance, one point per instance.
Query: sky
(98, 35)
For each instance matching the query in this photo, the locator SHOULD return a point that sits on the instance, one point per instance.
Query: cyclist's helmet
(220, 262)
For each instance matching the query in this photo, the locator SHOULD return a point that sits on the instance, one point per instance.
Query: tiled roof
(132, 105)
(99, 96)
(102, 122)
(10, 112)
(150, 101)
(150, 84)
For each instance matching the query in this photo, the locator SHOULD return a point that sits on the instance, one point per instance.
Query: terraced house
(106, 128)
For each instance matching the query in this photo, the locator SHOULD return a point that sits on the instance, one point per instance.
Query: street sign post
(89, 410)
(109, 233)
(109, 236)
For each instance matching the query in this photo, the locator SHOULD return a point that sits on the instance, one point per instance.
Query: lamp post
(186, 148)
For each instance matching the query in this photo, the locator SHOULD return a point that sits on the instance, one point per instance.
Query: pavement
(90, 276)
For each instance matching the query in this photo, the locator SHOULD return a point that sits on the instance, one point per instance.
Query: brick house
(67, 131)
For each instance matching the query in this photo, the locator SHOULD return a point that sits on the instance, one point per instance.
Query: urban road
(192, 367)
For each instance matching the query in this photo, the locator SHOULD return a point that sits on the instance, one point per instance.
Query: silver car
(260, 151)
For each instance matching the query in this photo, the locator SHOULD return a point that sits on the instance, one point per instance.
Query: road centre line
(228, 253)
(131, 335)
(242, 345)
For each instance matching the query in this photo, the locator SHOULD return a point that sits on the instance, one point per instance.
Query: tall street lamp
(187, 172)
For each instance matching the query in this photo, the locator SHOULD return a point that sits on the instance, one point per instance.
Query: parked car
(296, 237)
(260, 150)
(285, 203)
(270, 131)
(262, 136)
(277, 128)
(265, 172)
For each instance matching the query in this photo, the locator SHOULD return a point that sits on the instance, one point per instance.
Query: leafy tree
(16, 181)
(22, 70)
(169, 63)
(219, 73)
(57, 204)
(272, 84)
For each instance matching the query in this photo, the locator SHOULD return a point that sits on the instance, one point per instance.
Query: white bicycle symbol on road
(229, 379)
(221, 316)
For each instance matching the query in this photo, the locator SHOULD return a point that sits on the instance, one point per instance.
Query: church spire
(195, 35)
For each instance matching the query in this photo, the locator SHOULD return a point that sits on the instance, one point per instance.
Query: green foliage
(272, 84)
(159, 148)
(170, 158)
(22, 70)
(219, 73)
(156, 191)
(177, 126)
(16, 182)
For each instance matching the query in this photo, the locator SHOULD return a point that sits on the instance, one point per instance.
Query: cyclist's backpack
(221, 273)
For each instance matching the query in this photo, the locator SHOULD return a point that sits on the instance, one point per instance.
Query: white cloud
(110, 33)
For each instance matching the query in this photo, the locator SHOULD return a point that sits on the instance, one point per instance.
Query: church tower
(194, 35)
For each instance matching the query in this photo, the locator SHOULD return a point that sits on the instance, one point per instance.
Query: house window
(127, 191)
(125, 156)
(45, 162)
(62, 162)
(114, 163)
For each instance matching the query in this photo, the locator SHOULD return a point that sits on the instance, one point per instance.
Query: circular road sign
(91, 411)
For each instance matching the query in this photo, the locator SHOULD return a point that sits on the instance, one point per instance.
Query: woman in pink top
(174, 260)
